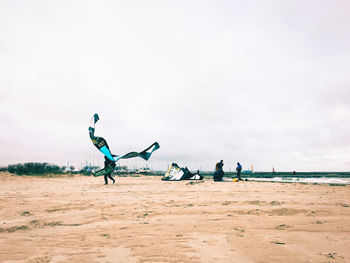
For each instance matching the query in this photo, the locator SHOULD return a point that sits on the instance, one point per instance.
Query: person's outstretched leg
(110, 177)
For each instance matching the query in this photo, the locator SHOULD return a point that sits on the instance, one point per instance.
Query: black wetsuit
(219, 173)
(239, 169)
(109, 165)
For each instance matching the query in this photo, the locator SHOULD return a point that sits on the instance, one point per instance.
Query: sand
(142, 219)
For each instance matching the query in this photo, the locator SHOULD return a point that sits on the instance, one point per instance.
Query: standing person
(219, 172)
(109, 168)
(238, 170)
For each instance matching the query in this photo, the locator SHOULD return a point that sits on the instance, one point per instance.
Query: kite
(102, 146)
(175, 173)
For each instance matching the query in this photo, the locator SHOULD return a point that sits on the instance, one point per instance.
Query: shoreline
(292, 181)
(227, 178)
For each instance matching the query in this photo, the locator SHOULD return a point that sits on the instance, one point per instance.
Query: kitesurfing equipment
(102, 146)
(175, 173)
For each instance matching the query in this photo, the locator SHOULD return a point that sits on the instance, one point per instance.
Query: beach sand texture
(143, 219)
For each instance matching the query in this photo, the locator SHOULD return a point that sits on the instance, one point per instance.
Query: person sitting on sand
(219, 172)
(109, 166)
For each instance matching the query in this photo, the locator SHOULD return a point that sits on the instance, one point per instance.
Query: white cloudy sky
(266, 83)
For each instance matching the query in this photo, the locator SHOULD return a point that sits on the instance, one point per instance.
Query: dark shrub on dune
(34, 168)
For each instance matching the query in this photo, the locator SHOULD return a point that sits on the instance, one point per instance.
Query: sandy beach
(142, 219)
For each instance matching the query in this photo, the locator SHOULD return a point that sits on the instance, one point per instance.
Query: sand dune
(142, 219)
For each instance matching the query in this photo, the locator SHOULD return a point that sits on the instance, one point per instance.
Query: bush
(34, 168)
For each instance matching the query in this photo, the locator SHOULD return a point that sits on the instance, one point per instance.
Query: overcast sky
(265, 83)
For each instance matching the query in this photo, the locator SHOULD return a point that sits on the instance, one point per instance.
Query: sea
(305, 180)
(331, 178)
